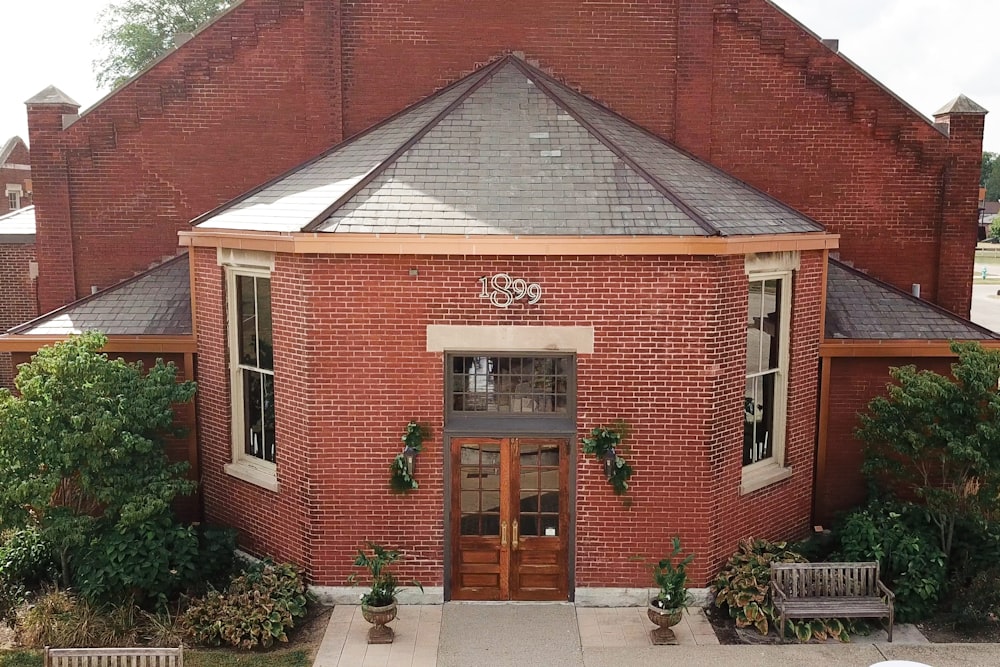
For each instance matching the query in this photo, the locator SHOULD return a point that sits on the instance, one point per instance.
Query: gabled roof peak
(53, 95)
(960, 104)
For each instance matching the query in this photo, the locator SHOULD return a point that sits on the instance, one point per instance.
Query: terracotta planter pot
(379, 617)
(664, 619)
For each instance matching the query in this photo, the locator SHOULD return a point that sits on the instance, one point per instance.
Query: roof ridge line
(913, 299)
(91, 297)
(485, 75)
(542, 80)
(688, 154)
(243, 196)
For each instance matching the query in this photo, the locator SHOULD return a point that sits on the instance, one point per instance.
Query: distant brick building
(15, 175)
(631, 217)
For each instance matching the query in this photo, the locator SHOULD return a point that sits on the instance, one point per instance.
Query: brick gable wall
(276, 81)
(22, 177)
(352, 369)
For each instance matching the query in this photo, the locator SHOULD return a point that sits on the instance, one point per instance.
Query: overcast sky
(926, 51)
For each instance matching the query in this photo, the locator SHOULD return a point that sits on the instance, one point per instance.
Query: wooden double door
(509, 519)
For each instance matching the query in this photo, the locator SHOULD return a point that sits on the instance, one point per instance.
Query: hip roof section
(508, 151)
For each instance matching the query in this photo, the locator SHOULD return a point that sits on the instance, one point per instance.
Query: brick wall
(276, 81)
(352, 369)
(18, 302)
(853, 383)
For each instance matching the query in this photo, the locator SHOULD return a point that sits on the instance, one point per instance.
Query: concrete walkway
(563, 635)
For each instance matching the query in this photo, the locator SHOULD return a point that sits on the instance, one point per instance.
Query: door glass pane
(479, 503)
(529, 501)
(539, 491)
(550, 525)
(529, 525)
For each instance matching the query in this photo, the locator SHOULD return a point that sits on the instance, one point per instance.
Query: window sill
(756, 478)
(253, 475)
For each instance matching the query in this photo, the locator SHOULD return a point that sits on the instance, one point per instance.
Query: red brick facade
(18, 302)
(276, 81)
(350, 334)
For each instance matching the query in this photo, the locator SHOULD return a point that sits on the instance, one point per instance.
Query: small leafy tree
(137, 32)
(938, 439)
(81, 447)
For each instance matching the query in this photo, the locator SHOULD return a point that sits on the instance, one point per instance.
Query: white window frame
(14, 194)
(773, 266)
(242, 466)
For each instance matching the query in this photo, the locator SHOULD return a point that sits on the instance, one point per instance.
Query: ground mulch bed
(937, 630)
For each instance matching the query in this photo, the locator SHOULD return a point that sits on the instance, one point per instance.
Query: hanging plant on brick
(605, 443)
(401, 478)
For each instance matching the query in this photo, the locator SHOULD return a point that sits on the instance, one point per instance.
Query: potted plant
(667, 608)
(378, 605)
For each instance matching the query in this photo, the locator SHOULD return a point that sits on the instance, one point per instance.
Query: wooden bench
(114, 657)
(829, 590)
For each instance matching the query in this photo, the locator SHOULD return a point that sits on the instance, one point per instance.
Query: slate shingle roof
(860, 307)
(508, 150)
(156, 302)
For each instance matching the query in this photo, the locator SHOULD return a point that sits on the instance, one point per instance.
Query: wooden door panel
(497, 484)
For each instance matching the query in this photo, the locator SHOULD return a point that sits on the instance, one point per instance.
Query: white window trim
(772, 470)
(247, 468)
(14, 189)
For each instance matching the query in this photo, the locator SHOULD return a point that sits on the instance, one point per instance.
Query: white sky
(926, 51)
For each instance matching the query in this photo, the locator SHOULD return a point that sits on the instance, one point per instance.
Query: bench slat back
(114, 657)
(806, 580)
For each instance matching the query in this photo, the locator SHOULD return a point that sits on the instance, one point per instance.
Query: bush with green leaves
(937, 439)
(154, 560)
(82, 447)
(256, 609)
(903, 539)
(976, 604)
(26, 562)
(743, 587)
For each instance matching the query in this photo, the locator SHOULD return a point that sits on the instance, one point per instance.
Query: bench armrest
(776, 592)
(882, 587)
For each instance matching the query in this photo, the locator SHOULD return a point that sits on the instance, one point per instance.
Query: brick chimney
(963, 120)
(49, 112)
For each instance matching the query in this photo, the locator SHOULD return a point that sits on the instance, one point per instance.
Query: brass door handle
(514, 540)
(503, 534)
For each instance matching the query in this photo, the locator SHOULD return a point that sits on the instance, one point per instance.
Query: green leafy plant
(605, 444)
(743, 587)
(400, 479)
(154, 560)
(257, 609)
(82, 446)
(904, 541)
(976, 604)
(937, 438)
(383, 584)
(27, 561)
(671, 578)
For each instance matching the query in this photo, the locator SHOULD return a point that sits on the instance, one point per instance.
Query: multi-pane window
(13, 197)
(253, 382)
(510, 385)
(763, 402)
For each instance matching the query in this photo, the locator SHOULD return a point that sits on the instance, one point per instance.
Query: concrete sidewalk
(558, 635)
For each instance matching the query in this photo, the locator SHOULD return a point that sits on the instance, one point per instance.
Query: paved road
(986, 307)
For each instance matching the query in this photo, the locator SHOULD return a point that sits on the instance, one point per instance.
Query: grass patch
(287, 658)
(20, 658)
(192, 658)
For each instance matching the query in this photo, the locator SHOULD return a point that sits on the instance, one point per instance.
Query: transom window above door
(498, 385)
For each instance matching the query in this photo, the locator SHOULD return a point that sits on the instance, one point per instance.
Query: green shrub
(154, 560)
(977, 604)
(905, 543)
(257, 609)
(743, 587)
(216, 556)
(26, 562)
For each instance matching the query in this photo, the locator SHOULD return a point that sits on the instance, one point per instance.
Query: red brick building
(15, 175)
(659, 238)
